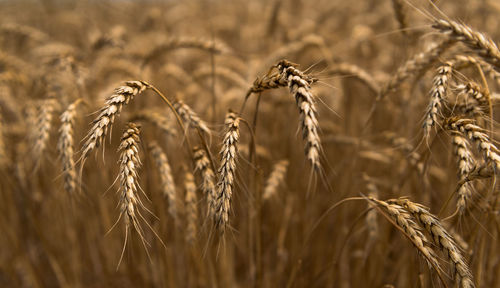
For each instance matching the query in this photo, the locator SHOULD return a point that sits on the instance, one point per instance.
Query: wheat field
(281, 143)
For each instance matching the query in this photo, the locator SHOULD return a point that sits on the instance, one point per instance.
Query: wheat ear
(227, 170)
(466, 164)
(276, 177)
(405, 221)
(299, 85)
(190, 117)
(65, 146)
(166, 178)
(203, 166)
(129, 163)
(461, 271)
(477, 135)
(191, 209)
(42, 127)
(112, 108)
(438, 96)
(478, 42)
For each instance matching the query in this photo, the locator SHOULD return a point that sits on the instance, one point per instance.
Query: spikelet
(275, 179)
(227, 171)
(166, 178)
(191, 209)
(202, 166)
(112, 108)
(442, 239)
(65, 146)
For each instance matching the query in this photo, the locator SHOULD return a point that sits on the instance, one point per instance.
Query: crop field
(279, 143)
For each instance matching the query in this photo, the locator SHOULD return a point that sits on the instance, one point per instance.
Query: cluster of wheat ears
(249, 143)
